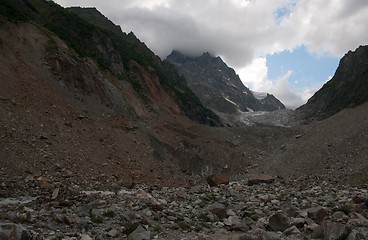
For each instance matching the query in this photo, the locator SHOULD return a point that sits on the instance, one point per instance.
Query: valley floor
(299, 209)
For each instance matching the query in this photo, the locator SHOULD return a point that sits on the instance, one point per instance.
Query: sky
(288, 48)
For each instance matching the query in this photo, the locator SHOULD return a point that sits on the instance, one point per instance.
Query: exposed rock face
(96, 39)
(218, 86)
(131, 48)
(347, 88)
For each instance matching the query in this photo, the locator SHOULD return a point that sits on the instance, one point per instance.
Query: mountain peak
(208, 55)
(347, 88)
(218, 86)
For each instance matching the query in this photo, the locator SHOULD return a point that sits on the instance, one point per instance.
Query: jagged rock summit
(218, 86)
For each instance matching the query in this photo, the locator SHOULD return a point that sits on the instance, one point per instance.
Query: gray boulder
(279, 222)
(334, 230)
(14, 232)
(140, 234)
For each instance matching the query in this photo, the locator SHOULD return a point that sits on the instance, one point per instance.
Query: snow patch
(227, 99)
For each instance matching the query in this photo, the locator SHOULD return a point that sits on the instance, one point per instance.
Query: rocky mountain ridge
(109, 48)
(347, 88)
(218, 86)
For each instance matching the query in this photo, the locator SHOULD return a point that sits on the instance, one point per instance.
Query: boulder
(44, 183)
(215, 180)
(340, 217)
(140, 234)
(14, 232)
(356, 235)
(334, 231)
(298, 222)
(85, 237)
(258, 179)
(357, 200)
(279, 222)
(113, 233)
(217, 209)
(232, 221)
(317, 231)
(317, 214)
(292, 231)
(357, 220)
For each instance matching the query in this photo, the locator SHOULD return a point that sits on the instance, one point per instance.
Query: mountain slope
(110, 49)
(78, 121)
(347, 88)
(93, 16)
(332, 149)
(218, 86)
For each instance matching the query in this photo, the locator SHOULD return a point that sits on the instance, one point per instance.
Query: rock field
(297, 209)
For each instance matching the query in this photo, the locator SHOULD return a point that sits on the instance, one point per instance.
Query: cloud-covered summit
(240, 31)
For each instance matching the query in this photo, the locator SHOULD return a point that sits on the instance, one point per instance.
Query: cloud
(255, 77)
(328, 27)
(240, 31)
(232, 29)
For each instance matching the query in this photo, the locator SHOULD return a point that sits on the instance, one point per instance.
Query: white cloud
(328, 27)
(255, 76)
(241, 31)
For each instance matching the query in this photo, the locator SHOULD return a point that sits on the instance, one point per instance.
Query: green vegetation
(10, 11)
(88, 33)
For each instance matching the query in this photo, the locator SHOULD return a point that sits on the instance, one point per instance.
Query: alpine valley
(101, 139)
